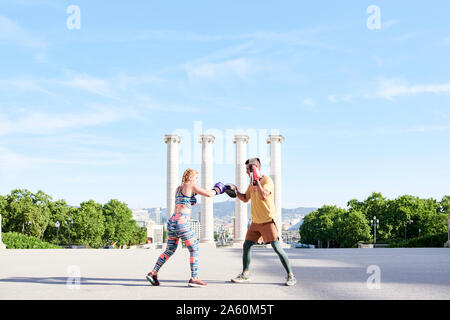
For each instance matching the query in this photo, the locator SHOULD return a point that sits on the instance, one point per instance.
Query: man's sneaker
(241, 278)
(153, 279)
(196, 283)
(290, 280)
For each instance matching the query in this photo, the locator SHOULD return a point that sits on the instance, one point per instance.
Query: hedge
(15, 240)
(435, 240)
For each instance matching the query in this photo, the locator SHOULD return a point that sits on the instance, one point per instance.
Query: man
(260, 192)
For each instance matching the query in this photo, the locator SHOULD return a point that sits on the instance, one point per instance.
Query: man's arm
(263, 193)
(242, 196)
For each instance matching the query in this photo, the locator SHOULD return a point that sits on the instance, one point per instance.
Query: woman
(178, 226)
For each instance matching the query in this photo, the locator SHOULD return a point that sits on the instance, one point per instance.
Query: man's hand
(231, 190)
(263, 193)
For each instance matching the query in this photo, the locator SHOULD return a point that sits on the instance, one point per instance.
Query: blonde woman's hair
(187, 174)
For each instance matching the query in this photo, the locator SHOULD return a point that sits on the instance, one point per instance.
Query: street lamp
(57, 232)
(374, 223)
(419, 232)
(406, 223)
(68, 223)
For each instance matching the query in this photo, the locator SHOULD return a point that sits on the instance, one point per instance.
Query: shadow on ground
(114, 282)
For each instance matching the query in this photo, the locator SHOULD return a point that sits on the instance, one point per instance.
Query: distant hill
(296, 226)
(299, 210)
(221, 209)
(225, 209)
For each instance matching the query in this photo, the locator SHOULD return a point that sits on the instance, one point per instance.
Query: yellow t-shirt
(262, 210)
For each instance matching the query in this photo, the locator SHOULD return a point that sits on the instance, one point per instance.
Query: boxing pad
(231, 190)
(255, 175)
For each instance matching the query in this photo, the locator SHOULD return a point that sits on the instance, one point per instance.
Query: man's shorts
(268, 231)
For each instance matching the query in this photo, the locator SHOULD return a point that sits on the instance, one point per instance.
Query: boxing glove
(219, 188)
(231, 190)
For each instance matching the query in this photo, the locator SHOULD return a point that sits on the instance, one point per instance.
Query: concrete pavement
(382, 273)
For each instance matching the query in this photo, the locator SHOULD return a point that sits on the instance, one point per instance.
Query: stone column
(240, 211)
(275, 142)
(172, 142)
(2, 245)
(447, 244)
(207, 217)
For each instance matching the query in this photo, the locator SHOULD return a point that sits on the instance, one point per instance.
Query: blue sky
(83, 111)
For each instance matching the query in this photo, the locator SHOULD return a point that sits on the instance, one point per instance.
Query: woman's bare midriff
(185, 211)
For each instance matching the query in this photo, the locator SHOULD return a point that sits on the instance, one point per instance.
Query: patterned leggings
(178, 227)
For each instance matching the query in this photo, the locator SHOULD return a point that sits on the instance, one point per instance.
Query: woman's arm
(204, 192)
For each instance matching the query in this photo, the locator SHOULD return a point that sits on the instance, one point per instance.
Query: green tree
(330, 224)
(88, 224)
(119, 223)
(376, 205)
(357, 205)
(306, 230)
(3, 204)
(318, 226)
(445, 205)
(353, 227)
(59, 211)
(337, 215)
(425, 214)
(139, 234)
(28, 211)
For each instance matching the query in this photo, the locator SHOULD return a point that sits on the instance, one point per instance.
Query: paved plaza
(401, 273)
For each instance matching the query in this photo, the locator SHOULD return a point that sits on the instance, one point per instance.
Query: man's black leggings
(276, 247)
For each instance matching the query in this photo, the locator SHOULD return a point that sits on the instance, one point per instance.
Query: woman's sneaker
(153, 279)
(290, 280)
(241, 278)
(196, 283)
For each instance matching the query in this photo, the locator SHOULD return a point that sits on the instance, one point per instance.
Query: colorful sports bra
(184, 201)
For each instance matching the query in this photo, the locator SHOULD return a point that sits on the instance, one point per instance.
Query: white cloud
(112, 88)
(413, 129)
(389, 23)
(46, 123)
(442, 115)
(11, 162)
(91, 84)
(390, 88)
(83, 82)
(10, 31)
(37, 2)
(41, 57)
(23, 84)
(309, 102)
(409, 36)
(333, 98)
(378, 60)
(213, 71)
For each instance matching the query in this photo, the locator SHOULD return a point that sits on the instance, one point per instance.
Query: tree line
(94, 225)
(330, 226)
